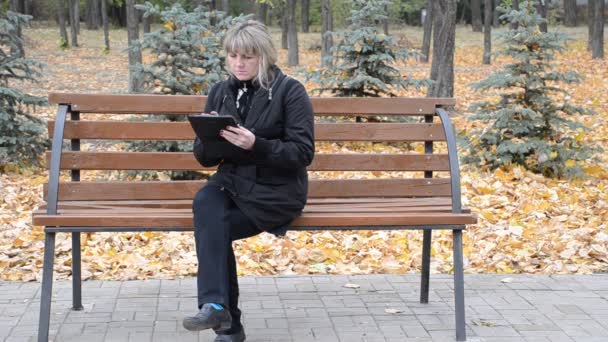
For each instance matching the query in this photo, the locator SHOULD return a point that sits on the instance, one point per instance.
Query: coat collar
(260, 99)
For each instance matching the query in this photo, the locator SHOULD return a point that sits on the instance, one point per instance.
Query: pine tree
(188, 61)
(532, 123)
(187, 50)
(22, 135)
(364, 58)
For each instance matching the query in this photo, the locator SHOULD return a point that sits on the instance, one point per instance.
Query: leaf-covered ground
(526, 223)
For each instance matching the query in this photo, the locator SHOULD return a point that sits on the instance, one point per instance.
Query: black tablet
(207, 127)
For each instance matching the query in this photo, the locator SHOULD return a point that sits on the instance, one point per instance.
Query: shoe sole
(193, 325)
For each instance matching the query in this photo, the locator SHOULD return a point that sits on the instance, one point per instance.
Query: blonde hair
(252, 37)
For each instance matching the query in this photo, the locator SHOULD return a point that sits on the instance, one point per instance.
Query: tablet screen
(208, 127)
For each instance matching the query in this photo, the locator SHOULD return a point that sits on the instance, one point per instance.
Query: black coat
(269, 183)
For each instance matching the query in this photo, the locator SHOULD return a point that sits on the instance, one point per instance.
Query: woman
(261, 183)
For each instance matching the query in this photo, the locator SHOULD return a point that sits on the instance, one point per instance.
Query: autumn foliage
(527, 223)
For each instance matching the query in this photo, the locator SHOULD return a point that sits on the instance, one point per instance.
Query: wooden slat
(307, 219)
(128, 130)
(361, 202)
(184, 104)
(185, 190)
(186, 161)
(131, 104)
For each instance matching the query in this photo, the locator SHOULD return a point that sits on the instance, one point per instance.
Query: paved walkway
(320, 308)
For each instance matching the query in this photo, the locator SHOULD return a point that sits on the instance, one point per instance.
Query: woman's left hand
(239, 136)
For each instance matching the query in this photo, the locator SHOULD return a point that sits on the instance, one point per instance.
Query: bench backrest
(417, 169)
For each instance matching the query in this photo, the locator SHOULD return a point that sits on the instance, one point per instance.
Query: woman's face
(243, 66)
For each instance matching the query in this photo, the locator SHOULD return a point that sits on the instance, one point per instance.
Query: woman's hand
(239, 136)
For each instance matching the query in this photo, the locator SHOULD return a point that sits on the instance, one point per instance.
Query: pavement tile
(319, 308)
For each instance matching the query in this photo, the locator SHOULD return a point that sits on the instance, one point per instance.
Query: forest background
(528, 223)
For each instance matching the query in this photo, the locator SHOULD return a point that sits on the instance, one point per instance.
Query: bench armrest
(54, 167)
(450, 138)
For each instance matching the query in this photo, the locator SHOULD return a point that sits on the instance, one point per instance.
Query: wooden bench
(414, 199)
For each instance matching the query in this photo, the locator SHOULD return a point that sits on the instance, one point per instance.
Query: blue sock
(217, 306)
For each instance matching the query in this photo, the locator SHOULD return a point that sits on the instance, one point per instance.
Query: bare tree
(292, 34)
(487, 32)
(597, 41)
(104, 21)
(385, 21)
(135, 84)
(476, 15)
(327, 23)
(284, 25)
(305, 16)
(145, 21)
(93, 17)
(496, 12)
(74, 19)
(444, 34)
(515, 24)
(62, 27)
(570, 10)
(263, 13)
(17, 6)
(590, 16)
(428, 29)
(542, 10)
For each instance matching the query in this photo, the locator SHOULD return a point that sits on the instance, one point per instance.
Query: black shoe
(209, 318)
(236, 337)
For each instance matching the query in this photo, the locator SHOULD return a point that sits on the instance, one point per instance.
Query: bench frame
(52, 204)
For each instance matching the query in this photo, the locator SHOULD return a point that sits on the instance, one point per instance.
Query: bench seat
(326, 213)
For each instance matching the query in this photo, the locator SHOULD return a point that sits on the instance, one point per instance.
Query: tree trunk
(14, 6)
(104, 21)
(76, 9)
(542, 10)
(74, 18)
(263, 13)
(284, 28)
(146, 24)
(597, 42)
(487, 32)
(590, 16)
(292, 34)
(570, 13)
(476, 15)
(135, 84)
(385, 21)
(28, 8)
(62, 28)
(444, 34)
(466, 4)
(17, 6)
(515, 4)
(496, 18)
(305, 16)
(327, 23)
(93, 15)
(428, 29)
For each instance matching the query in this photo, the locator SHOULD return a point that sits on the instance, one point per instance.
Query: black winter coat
(269, 183)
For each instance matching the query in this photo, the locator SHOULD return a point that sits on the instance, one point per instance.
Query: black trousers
(218, 222)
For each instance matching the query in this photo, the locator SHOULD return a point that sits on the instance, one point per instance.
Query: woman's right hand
(213, 113)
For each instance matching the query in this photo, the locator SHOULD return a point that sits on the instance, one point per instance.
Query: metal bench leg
(76, 273)
(426, 265)
(47, 287)
(459, 286)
